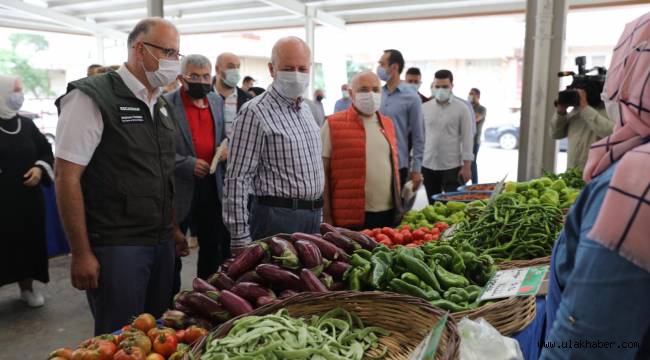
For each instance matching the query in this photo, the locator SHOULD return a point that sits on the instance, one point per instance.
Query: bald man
(225, 84)
(361, 177)
(115, 149)
(275, 155)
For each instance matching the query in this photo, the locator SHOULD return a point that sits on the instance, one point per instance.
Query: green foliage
(354, 68)
(15, 61)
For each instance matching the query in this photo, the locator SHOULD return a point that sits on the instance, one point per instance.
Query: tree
(15, 61)
(354, 68)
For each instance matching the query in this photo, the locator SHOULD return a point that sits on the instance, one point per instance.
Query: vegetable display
(142, 339)
(335, 335)
(450, 213)
(542, 191)
(572, 178)
(511, 229)
(406, 236)
(463, 196)
(438, 273)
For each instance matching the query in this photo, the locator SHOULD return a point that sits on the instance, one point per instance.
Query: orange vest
(347, 178)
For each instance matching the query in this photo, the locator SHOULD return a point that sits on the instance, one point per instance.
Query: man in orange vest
(360, 161)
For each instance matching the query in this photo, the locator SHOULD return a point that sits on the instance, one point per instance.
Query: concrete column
(310, 38)
(155, 8)
(545, 33)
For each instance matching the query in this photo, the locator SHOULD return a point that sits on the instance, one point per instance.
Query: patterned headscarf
(623, 223)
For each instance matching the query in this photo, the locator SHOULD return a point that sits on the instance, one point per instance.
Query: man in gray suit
(198, 190)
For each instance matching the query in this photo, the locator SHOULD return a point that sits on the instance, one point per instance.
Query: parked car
(507, 136)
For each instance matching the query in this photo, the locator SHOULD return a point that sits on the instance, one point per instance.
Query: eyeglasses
(168, 52)
(196, 77)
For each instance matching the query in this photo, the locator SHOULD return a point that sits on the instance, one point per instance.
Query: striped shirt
(275, 151)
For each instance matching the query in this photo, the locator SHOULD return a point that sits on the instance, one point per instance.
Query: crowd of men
(137, 166)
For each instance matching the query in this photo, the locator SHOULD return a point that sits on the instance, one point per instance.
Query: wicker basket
(508, 316)
(409, 320)
(514, 264)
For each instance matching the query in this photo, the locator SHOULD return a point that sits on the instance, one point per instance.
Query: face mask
(367, 103)
(611, 106)
(291, 84)
(319, 98)
(198, 90)
(231, 77)
(345, 94)
(442, 94)
(383, 75)
(168, 71)
(15, 101)
(412, 87)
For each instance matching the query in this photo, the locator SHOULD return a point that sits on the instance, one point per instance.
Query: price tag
(514, 282)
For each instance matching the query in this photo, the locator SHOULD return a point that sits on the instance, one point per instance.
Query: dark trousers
(474, 166)
(132, 280)
(403, 177)
(380, 219)
(438, 181)
(267, 221)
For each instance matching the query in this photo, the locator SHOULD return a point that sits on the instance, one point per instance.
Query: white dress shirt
(449, 138)
(80, 125)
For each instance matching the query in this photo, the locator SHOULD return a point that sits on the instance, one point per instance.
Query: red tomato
(368, 232)
(418, 235)
(388, 232)
(165, 345)
(130, 353)
(153, 333)
(95, 349)
(376, 232)
(141, 341)
(154, 356)
(435, 231)
(412, 245)
(180, 336)
(64, 353)
(398, 239)
(144, 322)
(428, 237)
(406, 227)
(424, 229)
(382, 237)
(407, 236)
(194, 333)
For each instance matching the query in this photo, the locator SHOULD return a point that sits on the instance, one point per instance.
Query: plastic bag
(479, 340)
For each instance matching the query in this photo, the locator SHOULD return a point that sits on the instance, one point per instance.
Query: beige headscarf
(7, 84)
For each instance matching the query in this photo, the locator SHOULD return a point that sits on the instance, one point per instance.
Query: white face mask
(15, 101)
(345, 94)
(231, 77)
(441, 94)
(168, 71)
(367, 103)
(611, 106)
(291, 84)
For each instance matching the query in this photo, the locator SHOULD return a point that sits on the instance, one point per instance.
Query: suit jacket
(242, 97)
(186, 154)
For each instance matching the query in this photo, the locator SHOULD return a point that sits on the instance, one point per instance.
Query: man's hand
(201, 169)
(465, 173)
(33, 176)
(416, 178)
(180, 241)
(84, 271)
(583, 99)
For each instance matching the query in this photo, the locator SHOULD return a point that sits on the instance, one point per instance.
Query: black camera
(591, 84)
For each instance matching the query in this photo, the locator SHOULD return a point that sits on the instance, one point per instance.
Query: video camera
(591, 84)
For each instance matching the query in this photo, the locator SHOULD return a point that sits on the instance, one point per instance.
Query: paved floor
(65, 320)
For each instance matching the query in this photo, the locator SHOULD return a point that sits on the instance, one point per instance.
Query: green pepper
(448, 305)
(444, 260)
(429, 213)
(457, 264)
(366, 254)
(537, 184)
(419, 268)
(429, 290)
(380, 264)
(357, 261)
(546, 181)
(558, 185)
(457, 295)
(455, 206)
(522, 186)
(354, 279)
(476, 204)
(511, 187)
(403, 287)
(531, 193)
(411, 278)
(474, 292)
(449, 280)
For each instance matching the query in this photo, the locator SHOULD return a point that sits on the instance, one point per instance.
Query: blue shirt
(604, 297)
(342, 104)
(404, 107)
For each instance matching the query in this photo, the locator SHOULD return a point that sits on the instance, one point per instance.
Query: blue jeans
(267, 221)
(474, 166)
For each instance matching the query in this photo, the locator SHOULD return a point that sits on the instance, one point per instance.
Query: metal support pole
(310, 29)
(545, 30)
(155, 8)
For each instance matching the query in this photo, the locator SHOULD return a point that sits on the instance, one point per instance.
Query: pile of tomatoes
(141, 340)
(406, 236)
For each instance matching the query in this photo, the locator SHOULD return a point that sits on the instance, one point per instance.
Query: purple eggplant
(342, 241)
(365, 241)
(251, 291)
(182, 308)
(283, 252)
(250, 276)
(203, 305)
(337, 269)
(327, 249)
(204, 323)
(279, 278)
(248, 259)
(235, 304)
(325, 228)
(337, 286)
(265, 300)
(221, 281)
(287, 294)
(174, 319)
(200, 285)
(309, 254)
(310, 282)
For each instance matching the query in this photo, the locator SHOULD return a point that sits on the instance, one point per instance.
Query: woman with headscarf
(598, 306)
(25, 163)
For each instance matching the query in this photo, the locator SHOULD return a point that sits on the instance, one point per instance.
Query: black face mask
(198, 90)
(319, 98)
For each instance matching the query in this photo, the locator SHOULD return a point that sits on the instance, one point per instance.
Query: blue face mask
(15, 101)
(381, 72)
(441, 94)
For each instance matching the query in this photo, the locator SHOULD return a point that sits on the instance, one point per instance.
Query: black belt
(294, 204)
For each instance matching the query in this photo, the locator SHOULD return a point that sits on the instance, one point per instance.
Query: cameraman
(584, 125)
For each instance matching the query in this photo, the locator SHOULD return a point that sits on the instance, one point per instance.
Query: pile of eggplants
(268, 271)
